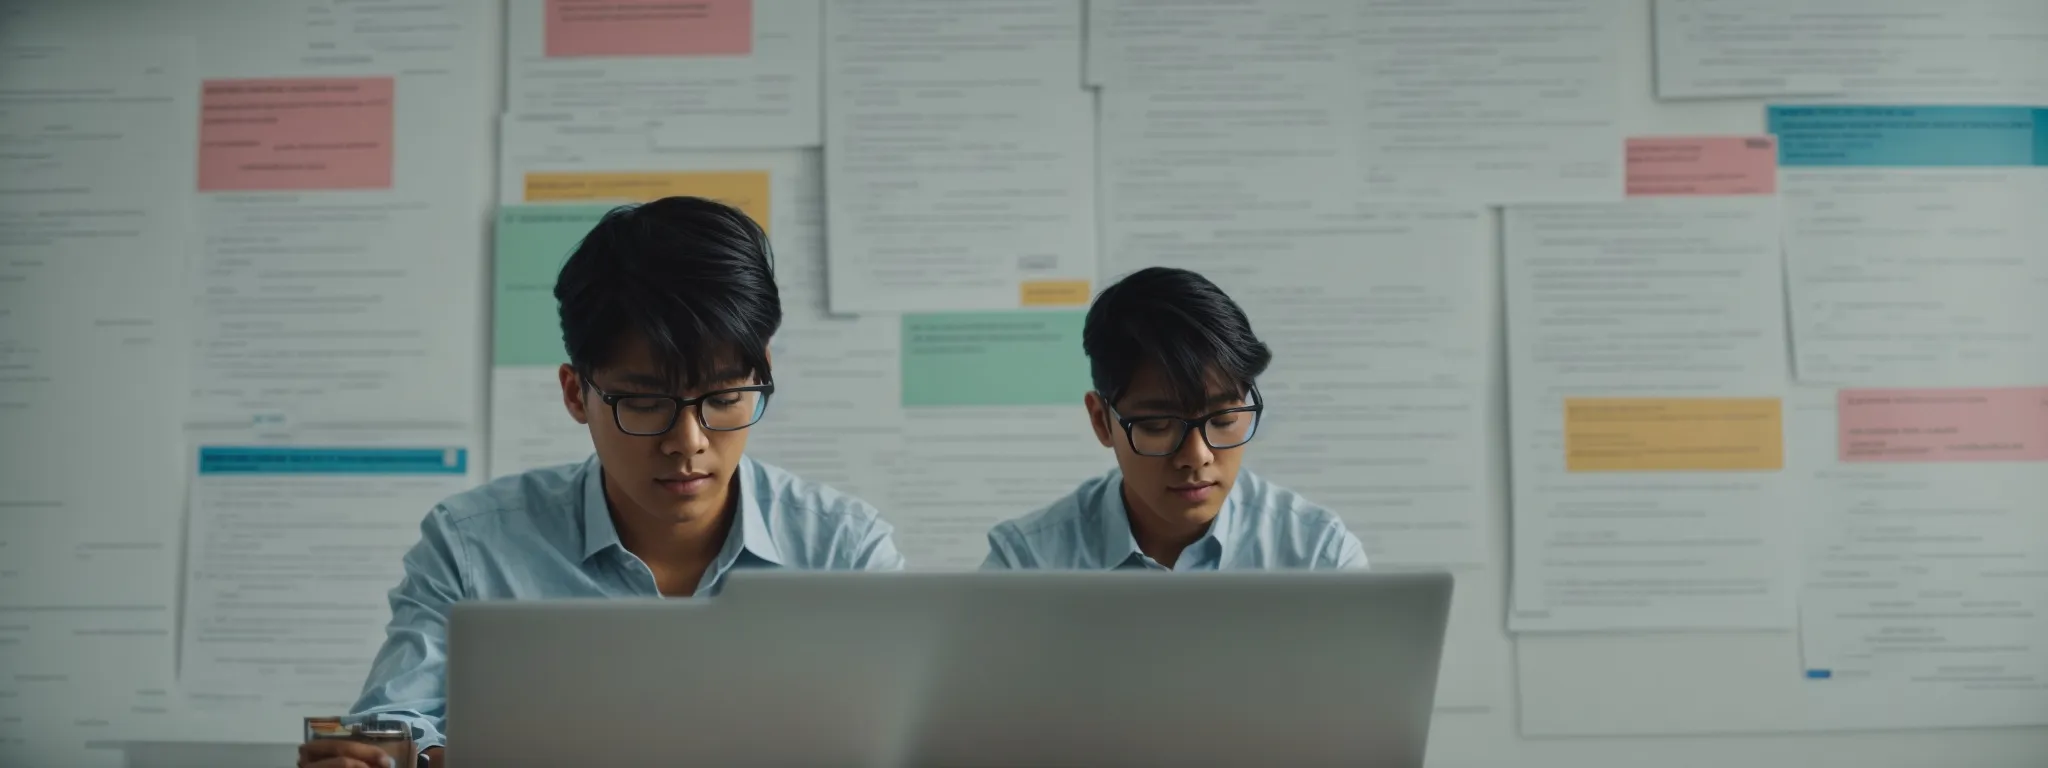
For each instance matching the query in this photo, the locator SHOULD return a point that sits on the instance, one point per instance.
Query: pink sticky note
(1930, 425)
(295, 134)
(649, 28)
(1680, 166)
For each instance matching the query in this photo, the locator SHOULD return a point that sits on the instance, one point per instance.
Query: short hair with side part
(693, 278)
(1180, 321)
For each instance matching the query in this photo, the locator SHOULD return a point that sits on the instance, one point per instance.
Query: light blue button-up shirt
(548, 533)
(1261, 525)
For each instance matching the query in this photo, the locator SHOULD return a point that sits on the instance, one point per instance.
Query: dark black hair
(692, 277)
(1178, 320)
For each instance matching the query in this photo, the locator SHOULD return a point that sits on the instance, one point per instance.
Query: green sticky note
(531, 243)
(994, 358)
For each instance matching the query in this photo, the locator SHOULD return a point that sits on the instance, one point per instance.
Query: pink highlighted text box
(1942, 425)
(649, 28)
(308, 133)
(1691, 166)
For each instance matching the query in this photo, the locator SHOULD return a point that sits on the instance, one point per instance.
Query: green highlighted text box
(994, 358)
(531, 243)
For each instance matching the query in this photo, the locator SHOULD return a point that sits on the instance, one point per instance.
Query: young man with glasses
(666, 309)
(1174, 363)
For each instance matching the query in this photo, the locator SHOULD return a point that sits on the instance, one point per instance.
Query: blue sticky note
(303, 460)
(1910, 136)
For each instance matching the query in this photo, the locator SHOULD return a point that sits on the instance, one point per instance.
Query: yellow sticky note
(1665, 434)
(1054, 293)
(745, 190)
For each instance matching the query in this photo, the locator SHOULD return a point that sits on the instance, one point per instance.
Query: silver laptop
(976, 669)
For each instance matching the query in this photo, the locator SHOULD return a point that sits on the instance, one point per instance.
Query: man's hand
(342, 753)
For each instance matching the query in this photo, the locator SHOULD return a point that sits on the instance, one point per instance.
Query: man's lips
(1193, 493)
(686, 483)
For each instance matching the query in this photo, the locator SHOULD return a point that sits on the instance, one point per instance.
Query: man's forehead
(1159, 399)
(643, 371)
(634, 361)
(634, 352)
(646, 378)
(1152, 376)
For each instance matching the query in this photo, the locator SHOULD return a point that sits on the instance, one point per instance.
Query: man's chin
(1182, 513)
(672, 511)
(685, 514)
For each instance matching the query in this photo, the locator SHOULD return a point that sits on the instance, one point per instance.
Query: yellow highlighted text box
(1053, 293)
(745, 190)
(1673, 434)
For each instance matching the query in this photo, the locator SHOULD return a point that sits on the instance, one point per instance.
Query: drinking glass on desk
(388, 737)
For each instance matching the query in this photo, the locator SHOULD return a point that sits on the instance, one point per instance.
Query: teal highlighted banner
(530, 245)
(1909, 137)
(1018, 357)
(296, 460)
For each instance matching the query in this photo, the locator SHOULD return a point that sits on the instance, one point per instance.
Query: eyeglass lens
(719, 411)
(1164, 435)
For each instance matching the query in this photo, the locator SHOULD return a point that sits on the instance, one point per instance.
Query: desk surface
(214, 754)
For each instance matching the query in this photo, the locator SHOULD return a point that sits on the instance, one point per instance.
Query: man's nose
(688, 438)
(1194, 451)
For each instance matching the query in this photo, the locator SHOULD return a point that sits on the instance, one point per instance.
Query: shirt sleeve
(999, 558)
(408, 679)
(1345, 553)
(877, 550)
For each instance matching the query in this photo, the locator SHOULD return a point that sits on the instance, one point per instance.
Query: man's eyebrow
(1162, 405)
(653, 383)
(648, 380)
(1225, 398)
(1155, 405)
(726, 375)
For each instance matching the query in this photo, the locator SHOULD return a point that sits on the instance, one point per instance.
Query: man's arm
(408, 679)
(877, 551)
(999, 558)
(1344, 552)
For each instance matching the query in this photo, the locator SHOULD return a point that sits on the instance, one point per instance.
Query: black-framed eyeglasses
(725, 410)
(1164, 435)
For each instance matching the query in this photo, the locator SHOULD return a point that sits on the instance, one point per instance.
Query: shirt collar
(750, 535)
(598, 531)
(752, 530)
(1119, 547)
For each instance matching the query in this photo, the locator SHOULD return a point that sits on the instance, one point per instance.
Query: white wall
(1488, 738)
(1494, 740)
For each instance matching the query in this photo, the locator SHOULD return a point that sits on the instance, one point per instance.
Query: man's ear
(572, 394)
(1098, 417)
